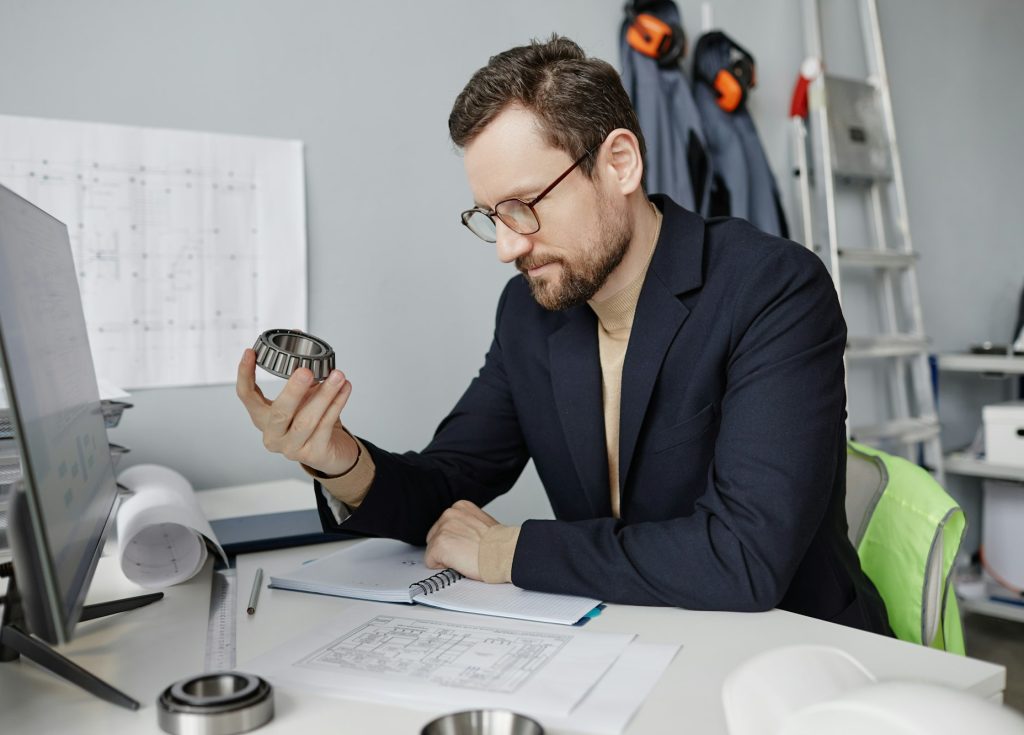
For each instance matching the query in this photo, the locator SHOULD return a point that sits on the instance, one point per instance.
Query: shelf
(992, 608)
(1000, 366)
(893, 345)
(867, 258)
(905, 431)
(988, 364)
(962, 463)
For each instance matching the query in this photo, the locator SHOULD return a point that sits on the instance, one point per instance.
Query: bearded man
(677, 382)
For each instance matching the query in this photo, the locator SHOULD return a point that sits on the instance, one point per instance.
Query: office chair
(907, 531)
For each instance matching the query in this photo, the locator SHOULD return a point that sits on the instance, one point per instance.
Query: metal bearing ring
(221, 703)
(283, 351)
(483, 721)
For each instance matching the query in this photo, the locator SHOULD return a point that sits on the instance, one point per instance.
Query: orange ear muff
(730, 91)
(733, 83)
(650, 35)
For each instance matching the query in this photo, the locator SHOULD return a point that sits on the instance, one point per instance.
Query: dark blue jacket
(732, 439)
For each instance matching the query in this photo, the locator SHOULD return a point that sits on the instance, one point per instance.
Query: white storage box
(1004, 433)
(1002, 530)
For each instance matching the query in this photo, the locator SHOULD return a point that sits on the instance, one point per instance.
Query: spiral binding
(437, 582)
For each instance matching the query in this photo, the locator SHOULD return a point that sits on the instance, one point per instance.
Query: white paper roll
(161, 530)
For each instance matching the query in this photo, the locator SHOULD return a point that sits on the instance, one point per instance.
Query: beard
(584, 275)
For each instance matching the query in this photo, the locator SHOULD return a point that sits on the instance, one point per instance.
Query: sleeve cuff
(497, 549)
(351, 486)
(339, 510)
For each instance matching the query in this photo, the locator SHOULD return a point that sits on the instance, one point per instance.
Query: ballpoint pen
(255, 594)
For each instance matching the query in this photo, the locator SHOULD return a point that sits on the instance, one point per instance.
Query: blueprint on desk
(438, 658)
(436, 652)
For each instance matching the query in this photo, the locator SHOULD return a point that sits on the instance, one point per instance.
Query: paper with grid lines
(188, 244)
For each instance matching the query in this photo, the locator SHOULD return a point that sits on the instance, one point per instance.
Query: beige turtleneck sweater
(498, 544)
(614, 324)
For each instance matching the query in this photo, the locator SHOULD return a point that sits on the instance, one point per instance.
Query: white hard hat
(904, 708)
(810, 690)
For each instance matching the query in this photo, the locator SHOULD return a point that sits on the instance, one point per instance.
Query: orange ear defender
(733, 81)
(730, 91)
(732, 84)
(651, 36)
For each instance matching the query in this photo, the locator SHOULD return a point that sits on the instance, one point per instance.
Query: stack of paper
(429, 659)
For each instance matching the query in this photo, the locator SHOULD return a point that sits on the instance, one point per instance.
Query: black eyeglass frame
(492, 213)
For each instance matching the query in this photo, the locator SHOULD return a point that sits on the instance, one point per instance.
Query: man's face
(585, 228)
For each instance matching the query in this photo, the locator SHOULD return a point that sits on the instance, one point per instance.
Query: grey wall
(958, 119)
(404, 295)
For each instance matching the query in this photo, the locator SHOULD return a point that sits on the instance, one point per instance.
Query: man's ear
(623, 161)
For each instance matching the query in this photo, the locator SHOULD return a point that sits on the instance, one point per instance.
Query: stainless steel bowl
(483, 722)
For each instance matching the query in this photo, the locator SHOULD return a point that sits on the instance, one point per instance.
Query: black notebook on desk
(392, 571)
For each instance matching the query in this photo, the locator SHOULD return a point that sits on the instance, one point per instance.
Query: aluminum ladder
(849, 185)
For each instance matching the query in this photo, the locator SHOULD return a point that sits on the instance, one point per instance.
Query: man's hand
(304, 422)
(454, 541)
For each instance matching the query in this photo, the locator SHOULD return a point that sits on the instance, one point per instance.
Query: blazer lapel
(675, 269)
(576, 381)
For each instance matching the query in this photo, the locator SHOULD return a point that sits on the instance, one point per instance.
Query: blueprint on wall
(188, 244)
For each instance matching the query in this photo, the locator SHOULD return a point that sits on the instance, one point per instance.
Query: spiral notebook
(391, 571)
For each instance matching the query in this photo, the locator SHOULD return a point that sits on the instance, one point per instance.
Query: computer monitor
(59, 519)
(63, 507)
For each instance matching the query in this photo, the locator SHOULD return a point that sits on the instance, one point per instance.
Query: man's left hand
(454, 541)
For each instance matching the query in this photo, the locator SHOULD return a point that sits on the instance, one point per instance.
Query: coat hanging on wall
(743, 184)
(653, 44)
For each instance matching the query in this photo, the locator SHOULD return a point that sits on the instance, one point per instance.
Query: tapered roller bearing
(283, 351)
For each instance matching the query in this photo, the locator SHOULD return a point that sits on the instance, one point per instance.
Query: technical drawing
(187, 244)
(451, 655)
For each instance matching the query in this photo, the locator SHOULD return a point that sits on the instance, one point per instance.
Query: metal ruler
(220, 625)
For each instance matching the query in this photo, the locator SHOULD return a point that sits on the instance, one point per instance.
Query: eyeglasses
(515, 214)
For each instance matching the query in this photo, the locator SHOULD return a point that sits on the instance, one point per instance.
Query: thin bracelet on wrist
(324, 476)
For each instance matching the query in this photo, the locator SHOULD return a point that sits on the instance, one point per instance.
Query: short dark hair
(577, 100)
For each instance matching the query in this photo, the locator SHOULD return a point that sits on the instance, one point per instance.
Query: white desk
(145, 650)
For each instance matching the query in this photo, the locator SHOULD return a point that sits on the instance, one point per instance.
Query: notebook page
(375, 569)
(509, 601)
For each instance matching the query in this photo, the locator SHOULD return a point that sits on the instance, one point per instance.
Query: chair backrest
(907, 531)
(866, 479)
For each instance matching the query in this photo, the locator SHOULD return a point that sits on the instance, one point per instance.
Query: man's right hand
(304, 422)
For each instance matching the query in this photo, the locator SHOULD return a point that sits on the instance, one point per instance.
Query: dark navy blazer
(732, 440)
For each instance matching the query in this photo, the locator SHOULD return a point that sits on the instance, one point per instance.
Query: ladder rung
(876, 259)
(905, 431)
(862, 348)
(861, 181)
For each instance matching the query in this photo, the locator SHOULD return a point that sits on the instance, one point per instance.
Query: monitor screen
(68, 482)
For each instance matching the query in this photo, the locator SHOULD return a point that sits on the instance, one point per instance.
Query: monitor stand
(15, 641)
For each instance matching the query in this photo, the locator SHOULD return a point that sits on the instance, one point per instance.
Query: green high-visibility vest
(908, 549)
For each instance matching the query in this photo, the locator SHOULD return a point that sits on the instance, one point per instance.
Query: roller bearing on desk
(283, 351)
(221, 703)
